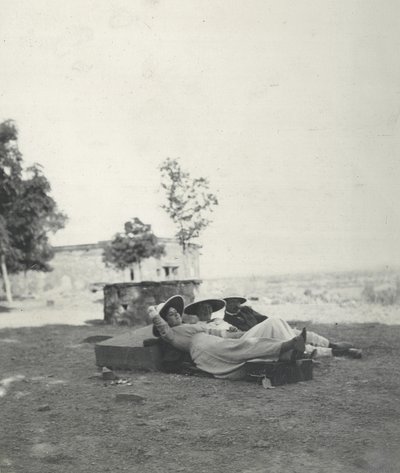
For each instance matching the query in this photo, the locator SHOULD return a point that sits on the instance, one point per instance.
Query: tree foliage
(27, 211)
(136, 243)
(189, 201)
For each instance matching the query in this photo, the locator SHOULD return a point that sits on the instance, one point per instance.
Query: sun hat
(216, 304)
(241, 300)
(176, 302)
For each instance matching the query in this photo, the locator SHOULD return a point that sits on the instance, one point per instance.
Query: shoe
(312, 355)
(355, 353)
(300, 341)
(341, 345)
(350, 352)
(299, 346)
(297, 355)
(304, 334)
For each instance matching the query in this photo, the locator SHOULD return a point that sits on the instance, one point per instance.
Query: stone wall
(128, 302)
(78, 267)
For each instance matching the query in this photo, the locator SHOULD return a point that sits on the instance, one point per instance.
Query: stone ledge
(126, 352)
(154, 283)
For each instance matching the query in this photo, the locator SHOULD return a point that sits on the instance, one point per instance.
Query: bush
(384, 294)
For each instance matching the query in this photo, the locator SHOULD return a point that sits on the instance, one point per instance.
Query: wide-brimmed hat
(216, 304)
(176, 302)
(241, 300)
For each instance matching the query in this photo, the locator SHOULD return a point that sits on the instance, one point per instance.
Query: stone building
(80, 267)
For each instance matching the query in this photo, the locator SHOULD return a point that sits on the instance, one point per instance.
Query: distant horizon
(309, 272)
(277, 272)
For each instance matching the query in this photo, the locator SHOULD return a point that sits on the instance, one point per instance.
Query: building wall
(78, 267)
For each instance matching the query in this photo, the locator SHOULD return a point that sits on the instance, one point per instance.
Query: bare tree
(189, 202)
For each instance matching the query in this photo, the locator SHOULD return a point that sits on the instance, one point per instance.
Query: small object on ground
(129, 397)
(355, 353)
(122, 381)
(108, 374)
(96, 338)
(43, 408)
(266, 383)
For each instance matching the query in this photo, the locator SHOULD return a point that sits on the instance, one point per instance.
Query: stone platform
(128, 302)
(126, 352)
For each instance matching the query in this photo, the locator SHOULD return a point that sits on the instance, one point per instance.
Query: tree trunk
(186, 272)
(139, 271)
(4, 273)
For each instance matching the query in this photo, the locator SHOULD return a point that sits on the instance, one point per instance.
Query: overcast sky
(290, 108)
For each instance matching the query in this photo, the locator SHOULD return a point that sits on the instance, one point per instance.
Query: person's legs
(272, 328)
(294, 349)
(315, 339)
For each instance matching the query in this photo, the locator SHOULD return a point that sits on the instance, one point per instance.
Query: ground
(57, 415)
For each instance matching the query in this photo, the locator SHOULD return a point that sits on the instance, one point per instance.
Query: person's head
(173, 317)
(204, 312)
(171, 311)
(204, 309)
(233, 304)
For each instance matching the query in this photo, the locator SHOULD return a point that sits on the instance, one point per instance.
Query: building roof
(104, 243)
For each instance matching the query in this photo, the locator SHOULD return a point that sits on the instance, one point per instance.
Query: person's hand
(233, 329)
(152, 312)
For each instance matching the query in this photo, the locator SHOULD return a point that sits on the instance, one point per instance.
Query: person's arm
(246, 309)
(161, 325)
(235, 334)
(224, 333)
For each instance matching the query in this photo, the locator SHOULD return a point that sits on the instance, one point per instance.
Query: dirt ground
(57, 415)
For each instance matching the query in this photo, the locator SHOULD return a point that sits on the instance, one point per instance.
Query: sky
(290, 109)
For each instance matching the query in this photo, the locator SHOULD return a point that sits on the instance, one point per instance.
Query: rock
(108, 374)
(266, 383)
(43, 408)
(130, 397)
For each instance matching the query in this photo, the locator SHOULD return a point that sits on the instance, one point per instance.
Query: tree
(189, 202)
(27, 211)
(136, 243)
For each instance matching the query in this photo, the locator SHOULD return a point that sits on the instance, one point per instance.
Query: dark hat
(241, 300)
(216, 304)
(176, 302)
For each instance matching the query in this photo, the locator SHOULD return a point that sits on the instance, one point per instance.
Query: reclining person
(241, 316)
(202, 311)
(222, 353)
(245, 317)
